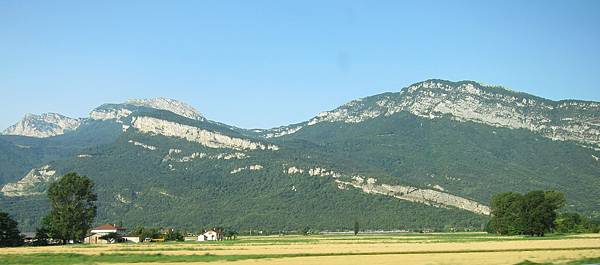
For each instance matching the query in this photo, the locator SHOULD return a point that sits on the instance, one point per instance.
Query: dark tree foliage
(9, 233)
(356, 227)
(143, 232)
(305, 230)
(230, 234)
(531, 214)
(174, 235)
(505, 213)
(41, 236)
(575, 223)
(73, 208)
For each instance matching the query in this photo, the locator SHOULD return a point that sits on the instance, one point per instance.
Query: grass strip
(72, 258)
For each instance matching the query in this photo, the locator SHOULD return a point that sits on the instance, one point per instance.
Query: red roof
(109, 227)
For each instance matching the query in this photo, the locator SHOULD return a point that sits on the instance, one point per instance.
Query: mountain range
(428, 156)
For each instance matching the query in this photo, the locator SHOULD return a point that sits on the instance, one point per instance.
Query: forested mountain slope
(428, 156)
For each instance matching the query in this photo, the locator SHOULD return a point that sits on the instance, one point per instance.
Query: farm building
(96, 234)
(210, 235)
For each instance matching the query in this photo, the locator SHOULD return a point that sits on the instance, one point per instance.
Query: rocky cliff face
(435, 197)
(34, 183)
(568, 120)
(193, 134)
(120, 111)
(177, 107)
(44, 125)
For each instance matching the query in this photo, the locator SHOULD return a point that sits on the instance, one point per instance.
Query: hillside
(428, 156)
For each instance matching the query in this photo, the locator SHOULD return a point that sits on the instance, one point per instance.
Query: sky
(261, 64)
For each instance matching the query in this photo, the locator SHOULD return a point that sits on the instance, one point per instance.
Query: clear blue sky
(269, 63)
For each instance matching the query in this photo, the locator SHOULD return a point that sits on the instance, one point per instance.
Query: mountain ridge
(188, 111)
(435, 97)
(431, 149)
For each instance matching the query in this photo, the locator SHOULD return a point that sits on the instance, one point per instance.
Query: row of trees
(73, 210)
(156, 233)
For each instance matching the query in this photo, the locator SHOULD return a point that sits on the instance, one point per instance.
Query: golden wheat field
(443, 248)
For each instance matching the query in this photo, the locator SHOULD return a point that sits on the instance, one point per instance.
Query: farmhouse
(96, 234)
(211, 235)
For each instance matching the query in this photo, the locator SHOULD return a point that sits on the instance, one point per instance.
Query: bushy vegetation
(9, 233)
(535, 213)
(156, 233)
(575, 223)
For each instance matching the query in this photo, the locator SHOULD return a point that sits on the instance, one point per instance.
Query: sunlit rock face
(106, 113)
(435, 197)
(44, 125)
(34, 183)
(120, 111)
(171, 105)
(568, 120)
(207, 138)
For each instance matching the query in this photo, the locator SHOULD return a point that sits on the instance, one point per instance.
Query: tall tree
(531, 214)
(73, 208)
(9, 233)
(506, 213)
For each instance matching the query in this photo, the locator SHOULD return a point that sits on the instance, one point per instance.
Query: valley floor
(444, 248)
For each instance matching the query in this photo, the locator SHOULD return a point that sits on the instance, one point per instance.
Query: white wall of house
(132, 239)
(208, 236)
(107, 231)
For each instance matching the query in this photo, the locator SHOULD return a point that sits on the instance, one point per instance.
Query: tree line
(73, 211)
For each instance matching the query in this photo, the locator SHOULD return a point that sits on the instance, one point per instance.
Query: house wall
(132, 239)
(106, 232)
(94, 239)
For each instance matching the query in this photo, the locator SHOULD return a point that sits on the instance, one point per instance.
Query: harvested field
(451, 248)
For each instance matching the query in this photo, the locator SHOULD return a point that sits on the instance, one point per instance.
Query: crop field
(443, 248)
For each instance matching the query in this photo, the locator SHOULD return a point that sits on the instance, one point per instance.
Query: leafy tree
(575, 223)
(9, 233)
(531, 214)
(356, 227)
(505, 213)
(73, 207)
(144, 232)
(534, 214)
(230, 234)
(305, 230)
(570, 223)
(173, 235)
(41, 236)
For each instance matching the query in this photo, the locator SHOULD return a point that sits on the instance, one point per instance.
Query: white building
(98, 232)
(107, 229)
(209, 235)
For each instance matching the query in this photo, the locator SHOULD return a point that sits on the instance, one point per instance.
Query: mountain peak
(175, 106)
(43, 125)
